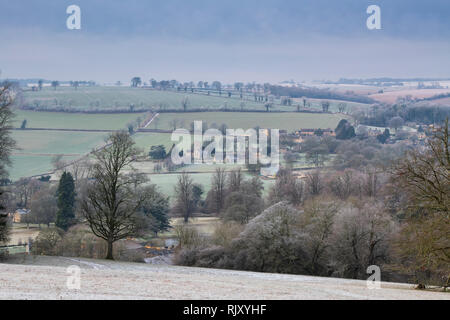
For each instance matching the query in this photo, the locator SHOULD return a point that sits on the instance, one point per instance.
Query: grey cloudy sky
(244, 40)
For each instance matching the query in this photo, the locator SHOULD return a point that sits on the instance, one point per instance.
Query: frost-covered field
(46, 278)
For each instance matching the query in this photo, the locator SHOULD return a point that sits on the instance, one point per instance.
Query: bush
(362, 237)
(79, 241)
(187, 236)
(47, 241)
(270, 242)
(225, 232)
(416, 253)
(210, 257)
(326, 238)
(186, 257)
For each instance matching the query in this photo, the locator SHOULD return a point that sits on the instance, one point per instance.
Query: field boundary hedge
(153, 110)
(64, 129)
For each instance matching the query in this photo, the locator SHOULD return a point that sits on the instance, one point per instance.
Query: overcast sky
(244, 40)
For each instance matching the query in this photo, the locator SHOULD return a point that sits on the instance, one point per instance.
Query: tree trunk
(109, 255)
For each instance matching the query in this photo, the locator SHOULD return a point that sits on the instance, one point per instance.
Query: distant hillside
(298, 92)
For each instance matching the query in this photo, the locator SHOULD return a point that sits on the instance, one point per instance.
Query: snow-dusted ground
(46, 278)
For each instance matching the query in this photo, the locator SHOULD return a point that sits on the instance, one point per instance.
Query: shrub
(361, 238)
(79, 241)
(47, 241)
(188, 236)
(186, 257)
(225, 232)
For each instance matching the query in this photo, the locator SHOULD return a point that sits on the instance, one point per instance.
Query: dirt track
(115, 280)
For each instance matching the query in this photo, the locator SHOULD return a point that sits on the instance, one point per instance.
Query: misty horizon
(250, 41)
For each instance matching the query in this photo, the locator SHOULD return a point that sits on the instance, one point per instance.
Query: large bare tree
(112, 200)
(7, 144)
(184, 196)
(424, 176)
(218, 189)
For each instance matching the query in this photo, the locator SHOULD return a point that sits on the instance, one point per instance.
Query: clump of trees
(382, 115)
(136, 82)
(243, 198)
(287, 188)
(157, 152)
(338, 222)
(344, 130)
(314, 93)
(323, 238)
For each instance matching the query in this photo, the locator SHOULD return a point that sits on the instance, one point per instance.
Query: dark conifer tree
(65, 217)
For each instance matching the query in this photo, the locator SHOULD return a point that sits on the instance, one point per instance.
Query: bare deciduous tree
(184, 195)
(287, 188)
(112, 200)
(343, 185)
(25, 188)
(362, 238)
(185, 103)
(318, 220)
(218, 189)
(43, 206)
(424, 176)
(235, 179)
(7, 144)
(314, 183)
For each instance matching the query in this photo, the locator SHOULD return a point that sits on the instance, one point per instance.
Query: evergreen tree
(382, 138)
(157, 152)
(4, 227)
(65, 217)
(344, 130)
(156, 208)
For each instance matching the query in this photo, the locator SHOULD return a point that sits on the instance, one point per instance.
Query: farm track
(150, 121)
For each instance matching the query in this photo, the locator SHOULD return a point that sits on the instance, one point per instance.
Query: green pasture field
(90, 98)
(57, 142)
(204, 225)
(62, 120)
(145, 140)
(290, 121)
(167, 182)
(316, 104)
(31, 165)
(36, 149)
(120, 98)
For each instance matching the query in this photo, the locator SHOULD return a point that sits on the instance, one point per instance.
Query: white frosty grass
(45, 278)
